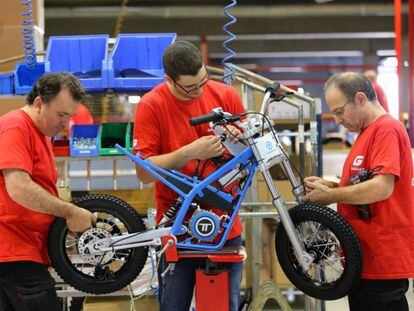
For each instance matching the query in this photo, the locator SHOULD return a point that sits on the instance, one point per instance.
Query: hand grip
(205, 118)
(274, 88)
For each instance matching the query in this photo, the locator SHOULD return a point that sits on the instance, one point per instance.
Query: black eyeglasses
(191, 89)
(340, 111)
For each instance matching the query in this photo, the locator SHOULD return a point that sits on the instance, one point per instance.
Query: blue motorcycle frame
(254, 157)
(316, 248)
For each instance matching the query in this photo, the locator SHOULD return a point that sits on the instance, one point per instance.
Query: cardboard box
(270, 267)
(283, 187)
(269, 263)
(269, 260)
(119, 304)
(11, 13)
(277, 171)
(64, 193)
(139, 199)
(11, 41)
(9, 103)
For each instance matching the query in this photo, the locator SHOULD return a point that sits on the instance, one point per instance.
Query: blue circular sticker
(269, 145)
(204, 226)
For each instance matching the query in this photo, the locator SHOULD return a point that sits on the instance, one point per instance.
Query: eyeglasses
(191, 89)
(340, 111)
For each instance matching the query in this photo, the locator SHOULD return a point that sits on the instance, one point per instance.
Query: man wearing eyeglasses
(163, 134)
(385, 226)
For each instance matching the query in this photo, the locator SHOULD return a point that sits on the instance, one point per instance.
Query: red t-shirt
(23, 233)
(387, 239)
(82, 116)
(382, 98)
(162, 126)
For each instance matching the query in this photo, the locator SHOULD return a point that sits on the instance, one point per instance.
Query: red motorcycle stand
(212, 282)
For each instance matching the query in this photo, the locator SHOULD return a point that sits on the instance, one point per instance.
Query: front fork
(304, 258)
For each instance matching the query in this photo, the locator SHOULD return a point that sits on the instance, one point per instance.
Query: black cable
(204, 167)
(224, 125)
(287, 157)
(235, 174)
(196, 168)
(205, 163)
(264, 117)
(281, 148)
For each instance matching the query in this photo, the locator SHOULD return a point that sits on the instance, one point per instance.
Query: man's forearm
(203, 148)
(373, 190)
(171, 161)
(34, 197)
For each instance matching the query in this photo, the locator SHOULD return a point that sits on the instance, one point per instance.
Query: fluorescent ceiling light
(291, 54)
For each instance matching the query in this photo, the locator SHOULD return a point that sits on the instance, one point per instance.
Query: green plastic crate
(129, 136)
(111, 134)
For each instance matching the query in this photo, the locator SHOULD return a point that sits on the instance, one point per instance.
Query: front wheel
(91, 272)
(333, 244)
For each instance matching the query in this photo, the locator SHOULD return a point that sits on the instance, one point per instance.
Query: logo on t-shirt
(358, 160)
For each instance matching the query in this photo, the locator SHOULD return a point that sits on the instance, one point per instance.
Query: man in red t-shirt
(163, 134)
(381, 96)
(387, 236)
(28, 193)
(82, 116)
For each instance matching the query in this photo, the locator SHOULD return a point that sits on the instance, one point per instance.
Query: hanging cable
(120, 19)
(28, 35)
(228, 71)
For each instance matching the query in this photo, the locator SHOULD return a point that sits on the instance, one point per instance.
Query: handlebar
(213, 117)
(217, 116)
(274, 88)
(206, 118)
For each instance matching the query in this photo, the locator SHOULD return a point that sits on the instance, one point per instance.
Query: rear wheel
(334, 246)
(93, 272)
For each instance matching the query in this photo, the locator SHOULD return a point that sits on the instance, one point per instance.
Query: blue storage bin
(84, 140)
(135, 62)
(25, 78)
(6, 83)
(83, 56)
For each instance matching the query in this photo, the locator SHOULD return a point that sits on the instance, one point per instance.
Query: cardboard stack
(11, 30)
(12, 43)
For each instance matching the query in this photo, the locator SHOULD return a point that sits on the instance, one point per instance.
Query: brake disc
(88, 250)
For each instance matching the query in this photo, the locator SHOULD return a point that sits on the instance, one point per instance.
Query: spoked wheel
(92, 272)
(331, 241)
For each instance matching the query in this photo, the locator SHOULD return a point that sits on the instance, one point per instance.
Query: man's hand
(319, 193)
(319, 190)
(309, 181)
(80, 220)
(205, 147)
(232, 132)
